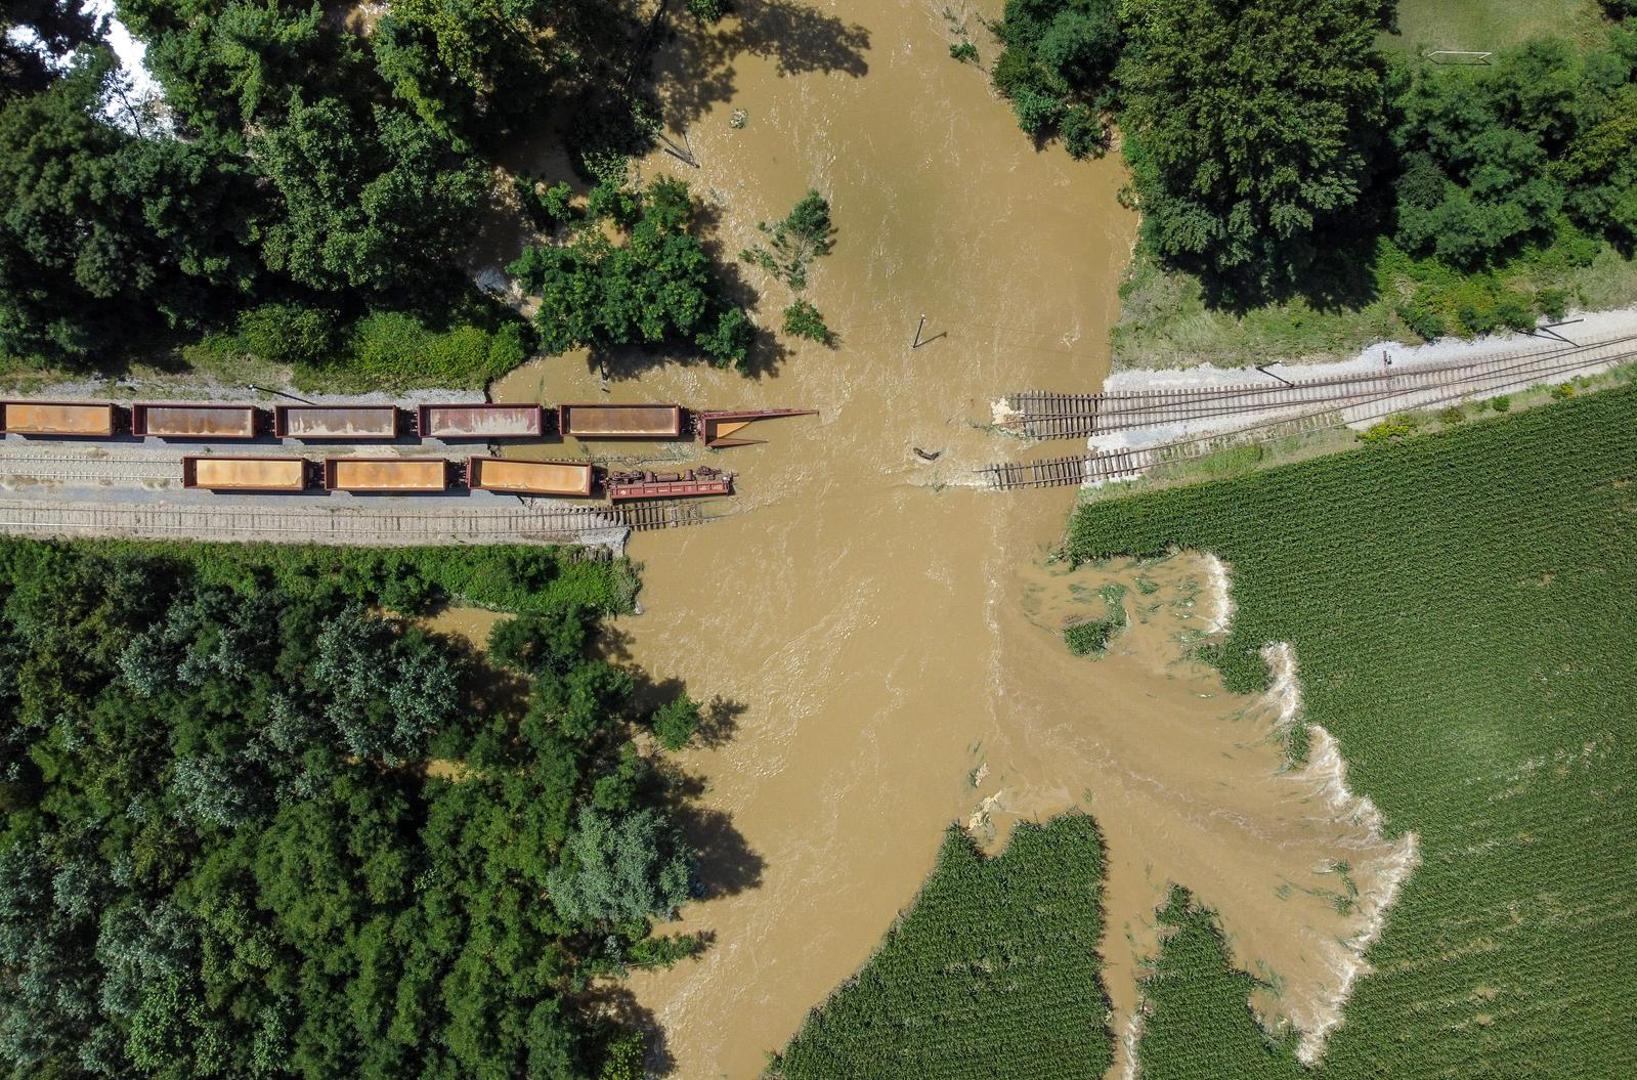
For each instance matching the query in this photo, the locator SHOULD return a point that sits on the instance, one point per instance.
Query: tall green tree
(102, 231)
(372, 202)
(658, 287)
(1250, 125)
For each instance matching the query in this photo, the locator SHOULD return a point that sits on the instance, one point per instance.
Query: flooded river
(880, 631)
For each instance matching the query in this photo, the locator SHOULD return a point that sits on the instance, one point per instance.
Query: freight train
(435, 475)
(486, 422)
(247, 422)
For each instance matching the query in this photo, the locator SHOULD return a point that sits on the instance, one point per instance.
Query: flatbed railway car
(480, 421)
(85, 419)
(252, 474)
(401, 476)
(563, 479)
(631, 486)
(335, 423)
(599, 421)
(196, 420)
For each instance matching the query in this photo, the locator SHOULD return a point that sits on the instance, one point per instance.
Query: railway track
(88, 465)
(1132, 462)
(310, 522)
(1064, 471)
(646, 517)
(1044, 415)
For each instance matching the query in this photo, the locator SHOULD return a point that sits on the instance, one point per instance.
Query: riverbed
(882, 636)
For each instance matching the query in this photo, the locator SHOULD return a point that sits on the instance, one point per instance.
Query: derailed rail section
(646, 517)
(1067, 471)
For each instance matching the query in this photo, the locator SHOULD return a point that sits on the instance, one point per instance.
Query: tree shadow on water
(616, 1003)
(719, 722)
(727, 865)
(797, 38)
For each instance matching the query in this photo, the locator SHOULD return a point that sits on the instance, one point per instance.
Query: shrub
(802, 319)
(1037, 113)
(395, 350)
(1083, 133)
(1091, 636)
(1553, 302)
(805, 234)
(728, 342)
(964, 51)
(1421, 317)
(1503, 403)
(1013, 72)
(707, 11)
(1391, 429)
(675, 722)
(288, 333)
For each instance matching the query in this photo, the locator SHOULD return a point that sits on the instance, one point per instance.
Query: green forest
(1460, 606)
(308, 194)
(1324, 189)
(259, 822)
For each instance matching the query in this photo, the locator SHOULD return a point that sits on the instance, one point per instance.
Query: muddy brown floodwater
(881, 628)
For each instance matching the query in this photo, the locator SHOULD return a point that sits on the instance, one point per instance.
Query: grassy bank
(992, 972)
(1165, 321)
(1460, 604)
(1482, 25)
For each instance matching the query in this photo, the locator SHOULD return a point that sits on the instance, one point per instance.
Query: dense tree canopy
(225, 852)
(1496, 156)
(658, 287)
(293, 161)
(1248, 124)
(1057, 67)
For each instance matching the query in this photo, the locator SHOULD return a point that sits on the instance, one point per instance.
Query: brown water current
(884, 633)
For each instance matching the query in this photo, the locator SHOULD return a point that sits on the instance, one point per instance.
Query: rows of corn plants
(992, 972)
(1198, 1023)
(1464, 609)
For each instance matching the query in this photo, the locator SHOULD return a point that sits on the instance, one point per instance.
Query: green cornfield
(993, 972)
(1463, 606)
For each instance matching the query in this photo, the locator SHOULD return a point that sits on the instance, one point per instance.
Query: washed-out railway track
(1045, 415)
(1132, 462)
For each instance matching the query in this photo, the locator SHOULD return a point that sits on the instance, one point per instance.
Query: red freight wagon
(403, 476)
(82, 418)
(587, 421)
(223, 473)
(480, 421)
(195, 420)
(335, 423)
(570, 479)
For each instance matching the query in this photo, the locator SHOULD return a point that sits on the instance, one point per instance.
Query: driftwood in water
(927, 455)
